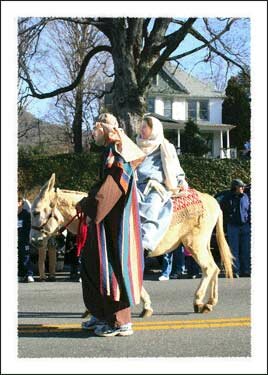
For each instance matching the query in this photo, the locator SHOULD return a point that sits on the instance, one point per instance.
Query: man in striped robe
(112, 258)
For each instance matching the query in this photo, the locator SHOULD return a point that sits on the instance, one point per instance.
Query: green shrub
(73, 171)
(213, 175)
(192, 141)
(80, 172)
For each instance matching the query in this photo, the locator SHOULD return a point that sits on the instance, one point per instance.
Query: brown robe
(106, 205)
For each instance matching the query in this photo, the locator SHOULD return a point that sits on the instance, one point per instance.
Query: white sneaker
(30, 279)
(107, 331)
(163, 278)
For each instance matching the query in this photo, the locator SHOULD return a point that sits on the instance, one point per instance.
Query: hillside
(53, 138)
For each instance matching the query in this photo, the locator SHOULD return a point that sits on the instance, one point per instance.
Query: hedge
(80, 172)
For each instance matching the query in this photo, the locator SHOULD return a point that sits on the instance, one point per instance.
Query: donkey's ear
(51, 182)
(48, 186)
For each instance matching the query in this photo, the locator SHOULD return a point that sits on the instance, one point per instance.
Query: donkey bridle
(41, 227)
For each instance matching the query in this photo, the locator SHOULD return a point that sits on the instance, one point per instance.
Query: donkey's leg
(206, 262)
(42, 252)
(147, 308)
(213, 298)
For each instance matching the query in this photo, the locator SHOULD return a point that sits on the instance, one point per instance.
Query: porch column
(228, 154)
(221, 146)
(178, 142)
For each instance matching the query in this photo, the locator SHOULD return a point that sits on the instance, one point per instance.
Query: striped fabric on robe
(129, 246)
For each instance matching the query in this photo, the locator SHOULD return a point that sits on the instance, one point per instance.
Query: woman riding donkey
(159, 176)
(112, 258)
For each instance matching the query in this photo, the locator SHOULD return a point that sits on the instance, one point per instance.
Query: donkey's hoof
(207, 308)
(85, 314)
(146, 313)
(198, 308)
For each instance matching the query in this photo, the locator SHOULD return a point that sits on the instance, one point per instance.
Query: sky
(257, 11)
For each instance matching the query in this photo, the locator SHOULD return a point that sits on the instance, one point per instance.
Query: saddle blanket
(185, 205)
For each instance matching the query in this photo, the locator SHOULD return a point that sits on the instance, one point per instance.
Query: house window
(198, 110)
(150, 105)
(192, 109)
(203, 110)
(168, 108)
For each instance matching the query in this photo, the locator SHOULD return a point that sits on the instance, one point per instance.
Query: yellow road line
(187, 326)
(138, 326)
(193, 321)
(189, 321)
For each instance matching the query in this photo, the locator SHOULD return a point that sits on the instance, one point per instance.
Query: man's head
(105, 129)
(108, 118)
(237, 185)
(20, 202)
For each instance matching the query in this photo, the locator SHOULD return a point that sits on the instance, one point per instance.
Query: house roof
(191, 85)
(170, 124)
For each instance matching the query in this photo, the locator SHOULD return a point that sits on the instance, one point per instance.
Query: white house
(176, 96)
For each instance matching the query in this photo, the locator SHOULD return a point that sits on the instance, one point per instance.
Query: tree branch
(72, 85)
(173, 43)
(200, 37)
(216, 37)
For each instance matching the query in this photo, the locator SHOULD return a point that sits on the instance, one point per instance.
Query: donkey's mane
(67, 198)
(71, 191)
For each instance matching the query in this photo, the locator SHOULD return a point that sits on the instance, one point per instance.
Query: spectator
(25, 269)
(247, 147)
(73, 259)
(173, 265)
(236, 209)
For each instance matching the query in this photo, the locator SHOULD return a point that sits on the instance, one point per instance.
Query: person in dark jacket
(25, 270)
(236, 210)
(74, 259)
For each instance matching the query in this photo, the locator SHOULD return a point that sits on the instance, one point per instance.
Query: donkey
(53, 209)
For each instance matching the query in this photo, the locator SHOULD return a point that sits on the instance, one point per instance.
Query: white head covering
(123, 144)
(108, 118)
(156, 138)
(169, 157)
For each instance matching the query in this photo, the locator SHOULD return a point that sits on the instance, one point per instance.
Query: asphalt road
(49, 317)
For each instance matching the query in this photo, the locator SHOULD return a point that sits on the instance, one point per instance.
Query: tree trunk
(129, 105)
(128, 99)
(77, 122)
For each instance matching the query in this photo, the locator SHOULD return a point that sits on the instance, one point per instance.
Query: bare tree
(139, 48)
(26, 123)
(68, 43)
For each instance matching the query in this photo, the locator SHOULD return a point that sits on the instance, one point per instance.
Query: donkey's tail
(225, 252)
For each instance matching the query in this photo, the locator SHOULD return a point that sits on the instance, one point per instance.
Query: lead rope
(62, 229)
(82, 233)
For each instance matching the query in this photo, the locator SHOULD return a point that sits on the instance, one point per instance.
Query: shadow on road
(165, 314)
(44, 314)
(65, 334)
